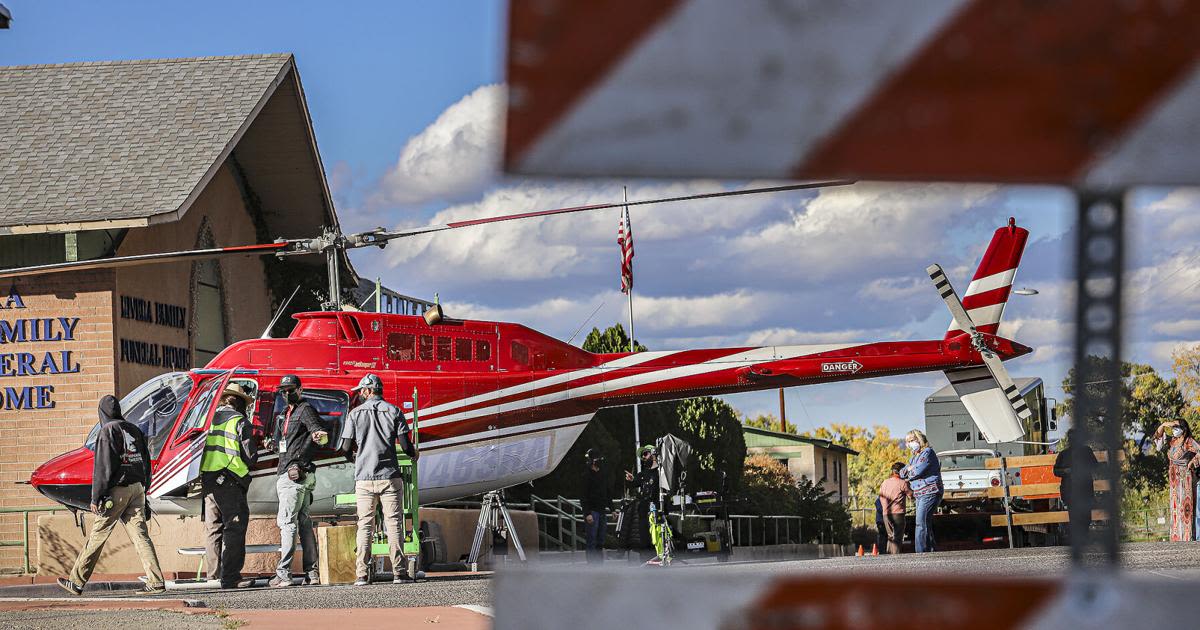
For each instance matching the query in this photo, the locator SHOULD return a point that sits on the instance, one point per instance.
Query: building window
(425, 350)
(462, 349)
(836, 471)
(483, 350)
(401, 346)
(824, 466)
(963, 436)
(443, 349)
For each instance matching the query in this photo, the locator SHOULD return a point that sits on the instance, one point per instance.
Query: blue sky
(405, 99)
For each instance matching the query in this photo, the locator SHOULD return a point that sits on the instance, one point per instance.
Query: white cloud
(792, 336)
(895, 289)
(1178, 328)
(456, 155)
(858, 227)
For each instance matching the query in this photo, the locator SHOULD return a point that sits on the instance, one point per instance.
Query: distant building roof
(766, 437)
(133, 143)
(1024, 384)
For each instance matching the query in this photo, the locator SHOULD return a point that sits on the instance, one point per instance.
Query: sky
(406, 101)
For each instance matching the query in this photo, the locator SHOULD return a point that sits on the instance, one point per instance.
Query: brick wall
(219, 211)
(29, 437)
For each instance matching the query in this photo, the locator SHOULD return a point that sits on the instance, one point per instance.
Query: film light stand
(494, 518)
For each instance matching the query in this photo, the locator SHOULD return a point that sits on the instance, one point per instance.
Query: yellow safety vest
(221, 448)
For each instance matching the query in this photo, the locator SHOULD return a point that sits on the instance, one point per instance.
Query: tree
(611, 341)
(877, 451)
(1147, 400)
(1186, 361)
(767, 421)
(712, 429)
(768, 488)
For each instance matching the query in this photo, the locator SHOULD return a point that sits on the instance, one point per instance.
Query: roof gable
(126, 144)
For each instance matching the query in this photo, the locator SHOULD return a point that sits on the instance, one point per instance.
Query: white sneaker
(362, 582)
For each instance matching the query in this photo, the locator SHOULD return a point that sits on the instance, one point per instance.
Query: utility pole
(782, 413)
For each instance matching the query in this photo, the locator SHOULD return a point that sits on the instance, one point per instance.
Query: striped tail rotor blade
(942, 284)
(1007, 386)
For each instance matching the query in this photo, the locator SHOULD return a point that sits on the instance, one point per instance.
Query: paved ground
(251, 606)
(58, 619)
(1181, 560)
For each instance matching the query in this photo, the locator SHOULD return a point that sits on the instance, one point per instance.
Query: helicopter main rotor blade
(145, 259)
(379, 237)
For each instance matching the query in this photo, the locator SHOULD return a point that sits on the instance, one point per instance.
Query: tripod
(494, 518)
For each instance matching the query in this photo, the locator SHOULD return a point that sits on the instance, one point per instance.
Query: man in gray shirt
(369, 438)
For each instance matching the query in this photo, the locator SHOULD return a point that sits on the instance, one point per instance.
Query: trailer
(973, 488)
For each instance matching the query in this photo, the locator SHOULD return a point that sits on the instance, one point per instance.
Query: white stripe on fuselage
(739, 359)
(566, 377)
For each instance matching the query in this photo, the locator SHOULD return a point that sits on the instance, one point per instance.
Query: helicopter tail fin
(991, 285)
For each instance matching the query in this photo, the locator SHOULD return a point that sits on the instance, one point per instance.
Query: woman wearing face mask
(1182, 462)
(924, 475)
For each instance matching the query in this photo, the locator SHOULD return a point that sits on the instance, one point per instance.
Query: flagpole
(637, 430)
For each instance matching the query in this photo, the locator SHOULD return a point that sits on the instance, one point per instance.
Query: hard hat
(593, 455)
(371, 382)
(233, 389)
(291, 381)
(646, 448)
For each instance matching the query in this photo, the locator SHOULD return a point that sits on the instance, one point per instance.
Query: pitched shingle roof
(128, 141)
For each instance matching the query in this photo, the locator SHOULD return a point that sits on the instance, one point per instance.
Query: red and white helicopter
(499, 403)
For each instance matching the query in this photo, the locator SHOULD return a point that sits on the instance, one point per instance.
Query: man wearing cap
(229, 452)
(298, 431)
(369, 438)
(596, 503)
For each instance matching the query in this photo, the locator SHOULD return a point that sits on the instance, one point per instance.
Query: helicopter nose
(66, 479)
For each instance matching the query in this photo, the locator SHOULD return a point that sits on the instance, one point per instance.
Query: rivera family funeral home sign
(16, 361)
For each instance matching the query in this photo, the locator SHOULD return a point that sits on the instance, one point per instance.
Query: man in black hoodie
(596, 503)
(120, 476)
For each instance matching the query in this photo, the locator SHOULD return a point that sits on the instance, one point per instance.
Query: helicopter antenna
(282, 307)
(585, 322)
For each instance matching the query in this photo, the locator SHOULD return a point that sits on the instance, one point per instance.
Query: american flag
(625, 240)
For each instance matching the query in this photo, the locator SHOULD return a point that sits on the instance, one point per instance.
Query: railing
(24, 542)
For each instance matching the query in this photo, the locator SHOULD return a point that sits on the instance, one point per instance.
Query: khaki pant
(129, 507)
(894, 524)
(389, 493)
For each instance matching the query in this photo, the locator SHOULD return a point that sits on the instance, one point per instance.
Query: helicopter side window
(483, 350)
(401, 346)
(425, 349)
(330, 404)
(520, 352)
(462, 349)
(443, 349)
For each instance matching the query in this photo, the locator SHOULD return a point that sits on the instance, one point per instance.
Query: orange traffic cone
(860, 551)
(874, 550)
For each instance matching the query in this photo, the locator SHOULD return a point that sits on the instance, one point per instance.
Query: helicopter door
(180, 463)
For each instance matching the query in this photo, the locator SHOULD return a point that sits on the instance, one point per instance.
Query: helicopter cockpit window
(520, 353)
(330, 404)
(443, 349)
(462, 349)
(425, 349)
(153, 408)
(483, 350)
(401, 346)
(198, 414)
